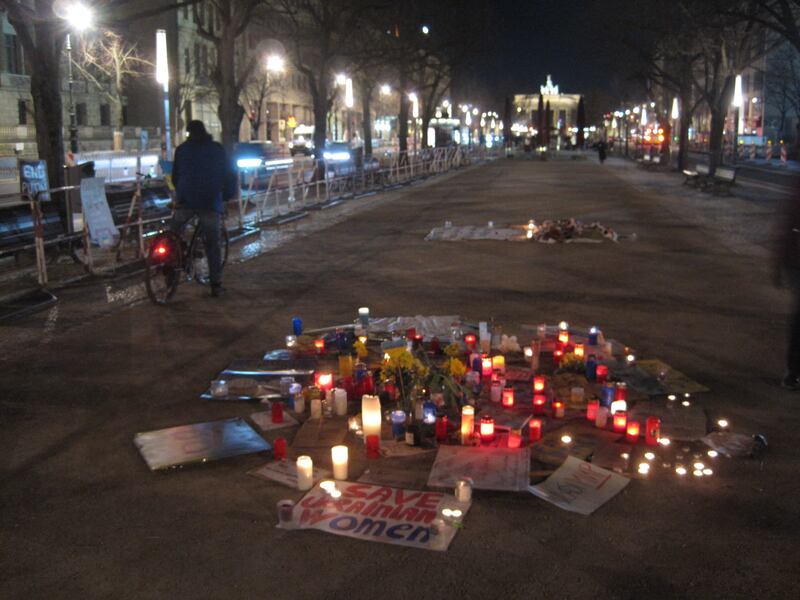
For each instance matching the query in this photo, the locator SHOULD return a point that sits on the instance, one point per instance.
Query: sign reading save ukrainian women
(381, 514)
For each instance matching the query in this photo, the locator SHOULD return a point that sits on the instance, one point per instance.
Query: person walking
(786, 270)
(204, 181)
(601, 151)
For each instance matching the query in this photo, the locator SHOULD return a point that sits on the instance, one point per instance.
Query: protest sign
(33, 179)
(503, 469)
(285, 472)
(96, 212)
(376, 513)
(580, 487)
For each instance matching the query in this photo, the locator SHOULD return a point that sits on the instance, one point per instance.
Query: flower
(453, 350)
(456, 368)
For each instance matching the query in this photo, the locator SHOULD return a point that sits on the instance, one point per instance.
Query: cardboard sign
(551, 450)
(96, 213)
(285, 472)
(503, 469)
(378, 514)
(580, 487)
(33, 179)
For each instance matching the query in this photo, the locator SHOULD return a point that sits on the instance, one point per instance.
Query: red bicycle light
(161, 249)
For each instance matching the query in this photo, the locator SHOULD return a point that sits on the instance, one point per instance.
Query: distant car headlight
(248, 163)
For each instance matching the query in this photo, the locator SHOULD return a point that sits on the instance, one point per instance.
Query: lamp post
(415, 114)
(162, 77)
(79, 17)
(275, 64)
(738, 101)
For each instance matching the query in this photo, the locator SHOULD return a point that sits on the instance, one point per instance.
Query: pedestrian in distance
(204, 181)
(786, 271)
(601, 151)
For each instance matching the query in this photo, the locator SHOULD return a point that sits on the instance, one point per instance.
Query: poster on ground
(503, 469)
(285, 472)
(578, 486)
(376, 513)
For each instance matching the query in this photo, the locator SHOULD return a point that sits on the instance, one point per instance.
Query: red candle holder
(277, 412)
(514, 438)
(602, 373)
(279, 448)
(632, 435)
(470, 341)
(558, 409)
(538, 384)
(411, 333)
(652, 431)
(441, 429)
(563, 336)
(591, 409)
(486, 368)
(535, 430)
(620, 421)
(580, 350)
(487, 429)
(539, 401)
(508, 397)
(324, 381)
(621, 391)
(319, 345)
(558, 354)
(373, 446)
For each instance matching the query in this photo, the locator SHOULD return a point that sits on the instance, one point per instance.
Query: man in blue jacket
(203, 181)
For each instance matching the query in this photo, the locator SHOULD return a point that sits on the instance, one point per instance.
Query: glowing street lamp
(386, 89)
(737, 103)
(275, 63)
(426, 30)
(80, 18)
(162, 77)
(643, 120)
(675, 112)
(341, 79)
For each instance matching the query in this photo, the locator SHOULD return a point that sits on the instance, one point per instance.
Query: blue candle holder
(398, 423)
(591, 368)
(607, 394)
(593, 332)
(297, 325)
(429, 412)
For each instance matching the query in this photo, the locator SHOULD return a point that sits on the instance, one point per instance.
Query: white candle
(339, 457)
(316, 408)
(371, 415)
(305, 473)
(463, 491)
(467, 422)
(496, 391)
(339, 401)
(299, 404)
(602, 417)
(363, 316)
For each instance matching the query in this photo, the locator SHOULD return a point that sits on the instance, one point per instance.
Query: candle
(563, 326)
(371, 415)
(363, 316)
(429, 412)
(601, 420)
(323, 381)
(618, 406)
(563, 336)
(467, 422)
(463, 491)
(305, 473)
(632, 435)
(652, 431)
(316, 408)
(496, 391)
(579, 350)
(607, 394)
(277, 412)
(298, 399)
(499, 363)
(339, 457)
(373, 446)
(279, 448)
(441, 429)
(576, 395)
(620, 421)
(319, 345)
(339, 401)
(621, 391)
(514, 438)
(469, 339)
(487, 429)
(558, 409)
(398, 423)
(508, 397)
(591, 368)
(538, 384)
(601, 373)
(486, 367)
(535, 430)
(591, 409)
(593, 331)
(558, 354)
(297, 325)
(539, 401)
(291, 341)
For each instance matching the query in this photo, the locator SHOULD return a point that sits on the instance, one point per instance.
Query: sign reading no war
(378, 514)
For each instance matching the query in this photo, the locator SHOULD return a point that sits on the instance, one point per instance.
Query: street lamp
(275, 64)
(414, 113)
(426, 30)
(675, 111)
(738, 102)
(386, 89)
(79, 17)
(162, 77)
(341, 79)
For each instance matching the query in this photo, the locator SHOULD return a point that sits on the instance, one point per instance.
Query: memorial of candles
(487, 429)
(339, 458)
(558, 409)
(579, 350)
(319, 344)
(499, 363)
(508, 397)
(563, 336)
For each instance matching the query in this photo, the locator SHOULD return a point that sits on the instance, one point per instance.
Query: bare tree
(254, 96)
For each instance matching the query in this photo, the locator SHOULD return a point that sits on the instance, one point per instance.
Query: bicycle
(174, 256)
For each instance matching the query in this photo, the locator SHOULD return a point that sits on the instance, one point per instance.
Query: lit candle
(363, 316)
(618, 406)
(398, 423)
(652, 431)
(487, 429)
(558, 354)
(539, 401)
(563, 336)
(339, 401)
(441, 429)
(339, 457)
(607, 393)
(279, 448)
(558, 409)
(620, 421)
(632, 435)
(316, 408)
(621, 392)
(601, 420)
(371, 415)
(486, 367)
(601, 373)
(429, 412)
(277, 412)
(291, 341)
(305, 473)
(535, 430)
(514, 438)
(324, 381)
(593, 332)
(538, 384)
(373, 446)
(591, 409)
(467, 422)
(496, 391)
(463, 490)
(508, 397)
(563, 326)
(499, 363)
(469, 339)
(580, 350)
(319, 345)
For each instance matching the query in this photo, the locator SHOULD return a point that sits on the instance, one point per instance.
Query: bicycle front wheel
(162, 268)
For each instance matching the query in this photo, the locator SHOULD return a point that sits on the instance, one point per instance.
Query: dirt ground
(82, 517)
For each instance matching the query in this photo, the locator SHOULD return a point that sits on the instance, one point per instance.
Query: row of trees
(374, 41)
(694, 49)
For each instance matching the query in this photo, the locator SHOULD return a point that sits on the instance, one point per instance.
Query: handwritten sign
(580, 487)
(503, 469)
(33, 179)
(378, 514)
(285, 472)
(96, 212)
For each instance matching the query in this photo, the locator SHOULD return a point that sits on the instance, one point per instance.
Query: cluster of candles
(305, 467)
(698, 468)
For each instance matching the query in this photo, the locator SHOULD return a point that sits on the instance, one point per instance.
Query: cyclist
(204, 181)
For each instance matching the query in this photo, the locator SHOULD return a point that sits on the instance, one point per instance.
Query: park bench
(696, 177)
(724, 178)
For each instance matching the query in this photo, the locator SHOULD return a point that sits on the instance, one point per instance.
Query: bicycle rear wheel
(162, 268)
(197, 267)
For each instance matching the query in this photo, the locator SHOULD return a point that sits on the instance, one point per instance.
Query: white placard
(504, 469)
